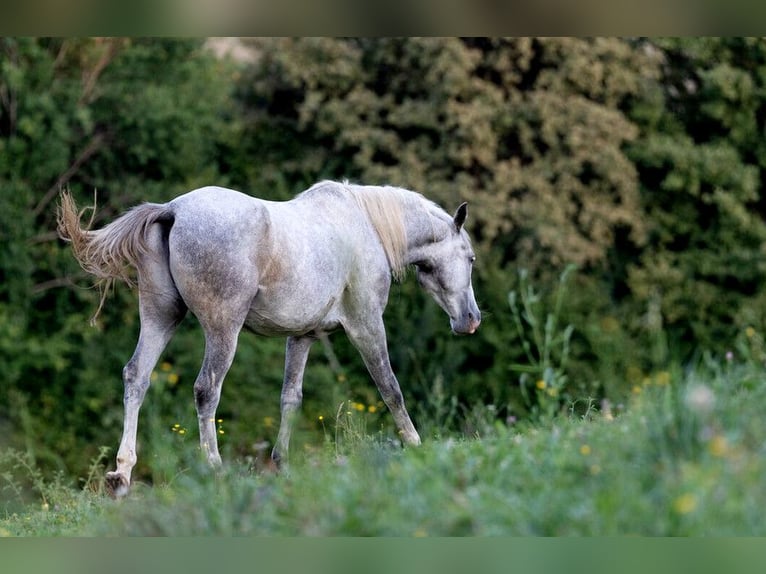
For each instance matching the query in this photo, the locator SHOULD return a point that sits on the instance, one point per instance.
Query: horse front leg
(370, 341)
(296, 355)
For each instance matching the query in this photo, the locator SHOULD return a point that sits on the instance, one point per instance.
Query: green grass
(686, 456)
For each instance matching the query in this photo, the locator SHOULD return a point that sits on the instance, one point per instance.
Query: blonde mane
(384, 207)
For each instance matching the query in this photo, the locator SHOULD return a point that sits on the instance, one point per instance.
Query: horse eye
(472, 258)
(424, 267)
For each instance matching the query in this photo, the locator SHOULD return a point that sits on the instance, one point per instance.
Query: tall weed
(36, 504)
(546, 344)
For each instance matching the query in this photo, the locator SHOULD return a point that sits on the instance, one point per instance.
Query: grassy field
(685, 456)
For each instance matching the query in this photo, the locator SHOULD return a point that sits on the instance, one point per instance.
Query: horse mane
(385, 207)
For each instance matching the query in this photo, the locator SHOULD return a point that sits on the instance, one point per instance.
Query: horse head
(444, 269)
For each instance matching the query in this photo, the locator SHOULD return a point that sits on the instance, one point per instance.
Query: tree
(531, 131)
(701, 160)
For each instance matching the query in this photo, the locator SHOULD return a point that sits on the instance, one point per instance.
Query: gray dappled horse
(299, 268)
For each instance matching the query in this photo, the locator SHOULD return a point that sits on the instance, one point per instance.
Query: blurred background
(616, 192)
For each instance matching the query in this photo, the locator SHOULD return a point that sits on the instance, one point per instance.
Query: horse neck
(425, 224)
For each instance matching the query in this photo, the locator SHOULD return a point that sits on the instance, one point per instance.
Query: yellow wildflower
(662, 378)
(172, 378)
(685, 503)
(268, 422)
(718, 446)
(540, 384)
(585, 450)
(750, 332)
(633, 373)
(165, 366)
(372, 409)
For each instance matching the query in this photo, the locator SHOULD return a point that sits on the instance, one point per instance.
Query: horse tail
(112, 252)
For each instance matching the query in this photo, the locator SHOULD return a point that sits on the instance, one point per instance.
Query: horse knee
(291, 399)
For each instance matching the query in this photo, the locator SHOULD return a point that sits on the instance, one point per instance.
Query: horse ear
(460, 215)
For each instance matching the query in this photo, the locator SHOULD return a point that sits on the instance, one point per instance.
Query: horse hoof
(411, 438)
(116, 484)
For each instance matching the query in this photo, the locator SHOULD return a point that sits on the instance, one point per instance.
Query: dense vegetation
(686, 458)
(641, 162)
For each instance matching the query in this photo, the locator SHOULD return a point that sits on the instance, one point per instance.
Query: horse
(322, 261)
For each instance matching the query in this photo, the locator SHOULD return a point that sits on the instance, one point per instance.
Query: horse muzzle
(466, 325)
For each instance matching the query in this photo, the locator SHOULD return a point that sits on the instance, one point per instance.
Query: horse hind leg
(296, 355)
(160, 314)
(220, 347)
(161, 309)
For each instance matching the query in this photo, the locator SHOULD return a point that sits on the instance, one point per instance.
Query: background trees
(701, 161)
(641, 161)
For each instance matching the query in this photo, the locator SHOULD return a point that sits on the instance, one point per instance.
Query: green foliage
(60, 507)
(543, 379)
(682, 459)
(700, 161)
(135, 119)
(521, 128)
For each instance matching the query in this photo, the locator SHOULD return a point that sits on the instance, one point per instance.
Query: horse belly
(272, 318)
